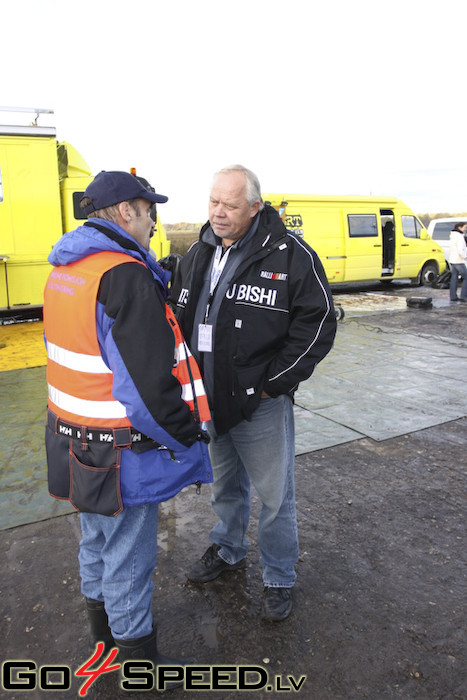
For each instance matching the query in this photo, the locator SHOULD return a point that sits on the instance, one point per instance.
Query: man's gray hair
(253, 188)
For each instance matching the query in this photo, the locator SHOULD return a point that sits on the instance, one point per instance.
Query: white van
(440, 229)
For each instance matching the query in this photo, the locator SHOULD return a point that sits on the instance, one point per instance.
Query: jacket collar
(268, 228)
(100, 235)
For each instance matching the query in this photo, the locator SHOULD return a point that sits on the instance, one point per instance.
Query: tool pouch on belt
(96, 489)
(86, 473)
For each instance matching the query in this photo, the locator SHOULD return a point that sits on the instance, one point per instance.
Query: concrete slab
(381, 422)
(382, 384)
(323, 390)
(314, 432)
(24, 496)
(453, 366)
(449, 396)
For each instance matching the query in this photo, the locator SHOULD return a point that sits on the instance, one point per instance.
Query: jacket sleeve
(138, 345)
(461, 246)
(312, 322)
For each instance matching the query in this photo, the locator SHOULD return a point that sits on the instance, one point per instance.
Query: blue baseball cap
(114, 186)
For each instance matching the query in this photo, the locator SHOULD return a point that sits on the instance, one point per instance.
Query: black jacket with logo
(275, 323)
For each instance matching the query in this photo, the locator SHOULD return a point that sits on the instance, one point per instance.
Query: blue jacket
(137, 344)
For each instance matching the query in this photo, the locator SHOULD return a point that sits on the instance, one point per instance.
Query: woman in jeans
(457, 260)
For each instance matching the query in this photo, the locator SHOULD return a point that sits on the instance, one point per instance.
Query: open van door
(364, 246)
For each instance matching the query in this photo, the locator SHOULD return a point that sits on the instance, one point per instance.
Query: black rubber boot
(99, 630)
(145, 649)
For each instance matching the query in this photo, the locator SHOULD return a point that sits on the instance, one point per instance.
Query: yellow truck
(41, 182)
(362, 238)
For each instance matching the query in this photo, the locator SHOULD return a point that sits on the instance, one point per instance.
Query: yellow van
(362, 238)
(41, 182)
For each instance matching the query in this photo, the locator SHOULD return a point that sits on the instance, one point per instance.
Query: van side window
(411, 226)
(442, 231)
(77, 211)
(362, 225)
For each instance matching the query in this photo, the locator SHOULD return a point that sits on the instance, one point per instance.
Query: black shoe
(211, 565)
(455, 299)
(462, 299)
(277, 603)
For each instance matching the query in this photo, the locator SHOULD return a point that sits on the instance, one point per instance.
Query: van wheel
(429, 274)
(340, 313)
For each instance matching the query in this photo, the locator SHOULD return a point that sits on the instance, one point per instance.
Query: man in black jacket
(254, 300)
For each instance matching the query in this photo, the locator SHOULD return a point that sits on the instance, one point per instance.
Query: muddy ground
(379, 604)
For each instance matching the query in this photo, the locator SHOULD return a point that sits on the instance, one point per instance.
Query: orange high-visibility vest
(79, 382)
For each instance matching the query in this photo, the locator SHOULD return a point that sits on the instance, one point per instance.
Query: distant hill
(182, 228)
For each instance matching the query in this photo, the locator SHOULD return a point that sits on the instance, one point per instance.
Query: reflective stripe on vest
(77, 360)
(107, 410)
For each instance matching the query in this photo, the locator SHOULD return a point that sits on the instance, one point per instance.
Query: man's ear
(254, 210)
(124, 210)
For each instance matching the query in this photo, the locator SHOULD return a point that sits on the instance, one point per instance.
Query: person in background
(254, 301)
(125, 406)
(457, 260)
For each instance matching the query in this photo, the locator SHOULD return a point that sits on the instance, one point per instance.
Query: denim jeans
(259, 452)
(456, 270)
(117, 559)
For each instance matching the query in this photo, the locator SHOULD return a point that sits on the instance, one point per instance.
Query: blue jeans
(117, 559)
(456, 270)
(260, 452)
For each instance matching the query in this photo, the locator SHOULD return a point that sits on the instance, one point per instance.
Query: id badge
(204, 337)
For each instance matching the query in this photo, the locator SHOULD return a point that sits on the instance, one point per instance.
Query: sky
(328, 97)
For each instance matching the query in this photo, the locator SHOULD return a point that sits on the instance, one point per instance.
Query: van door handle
(404, 244)
(377, 245)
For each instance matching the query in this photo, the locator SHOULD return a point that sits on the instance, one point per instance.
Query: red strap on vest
(187, 372)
